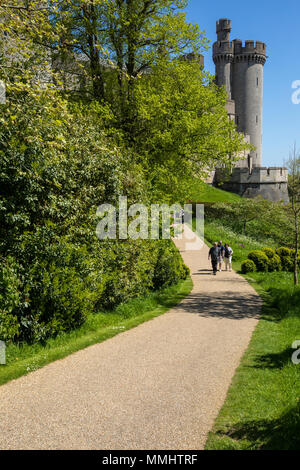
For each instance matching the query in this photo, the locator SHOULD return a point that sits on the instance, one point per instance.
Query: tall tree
(293, 208)
(182, 128)
(129, 36)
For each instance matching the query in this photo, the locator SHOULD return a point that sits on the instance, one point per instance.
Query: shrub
(260, 260)
(274, 263)
(170, 267)
(286, 256)
(248, 266)
(283, 252)
(56, 289)
(269, 252)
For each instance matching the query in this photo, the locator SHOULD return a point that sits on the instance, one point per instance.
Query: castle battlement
(260, 175)
(237, 49)
(223, 23)
(270, 183)
(250, 47)
(223, 47)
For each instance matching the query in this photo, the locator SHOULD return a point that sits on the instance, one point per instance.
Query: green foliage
(57, 166)
(254, 217)
(248, 266)
(274, 260)
(183, 127)
(286, 256)
(9, 299)
(169, 267)
(260, 260)
(269, 252)
(274, 263)
(284, 252)
(265, 260)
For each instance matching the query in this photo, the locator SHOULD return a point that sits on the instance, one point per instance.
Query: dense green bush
(260, 260)
(248, 266)
(274, 260)
(9, 299)
(269, 252)
(283, 252)
(286, 257)
(169, 267)
(274, 263)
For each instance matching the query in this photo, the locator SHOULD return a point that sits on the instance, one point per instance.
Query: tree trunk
(95, 66)
(296, 281)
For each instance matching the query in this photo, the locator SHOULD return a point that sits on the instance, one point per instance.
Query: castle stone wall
(270, 183)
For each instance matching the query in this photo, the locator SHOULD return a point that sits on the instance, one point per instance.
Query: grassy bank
(22, 359)
(202, 192)
(262, 408)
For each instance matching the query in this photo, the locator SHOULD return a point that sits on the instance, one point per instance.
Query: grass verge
(23, 359)
(262, 408)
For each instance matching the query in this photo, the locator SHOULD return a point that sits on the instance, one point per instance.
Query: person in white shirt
(228, 252)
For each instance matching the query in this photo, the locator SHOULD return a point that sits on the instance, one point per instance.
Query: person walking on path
(213, 256)
(228, 257)
(221, 251)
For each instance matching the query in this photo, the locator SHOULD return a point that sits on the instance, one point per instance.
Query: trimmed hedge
(269, 252)
(283, 252)
(260, 260)
(248, 266)
(274, 263)
(271, 260)
(287, 258)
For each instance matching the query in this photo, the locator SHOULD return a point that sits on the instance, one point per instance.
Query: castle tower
(247, 92)
(223, 55)
(240, 69)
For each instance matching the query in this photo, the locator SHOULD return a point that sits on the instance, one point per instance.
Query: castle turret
(247, 92)
(223, 55)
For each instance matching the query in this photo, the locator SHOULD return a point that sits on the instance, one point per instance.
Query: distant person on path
(213, 255)
(228, 257)
(181, 215)
(221, 251)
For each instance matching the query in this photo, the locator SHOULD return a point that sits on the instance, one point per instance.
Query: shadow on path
(233, 305)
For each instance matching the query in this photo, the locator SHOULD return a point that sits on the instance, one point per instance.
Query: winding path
(157, 386)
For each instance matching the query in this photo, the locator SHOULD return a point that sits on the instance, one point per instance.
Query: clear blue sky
(278, 25)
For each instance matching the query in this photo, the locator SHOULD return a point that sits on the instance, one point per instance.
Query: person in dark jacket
(213, 256)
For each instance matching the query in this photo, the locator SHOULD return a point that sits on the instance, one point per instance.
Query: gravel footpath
(158, 386)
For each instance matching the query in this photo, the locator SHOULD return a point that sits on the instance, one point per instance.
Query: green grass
(24, 359)
(262, 408)
(202, 192)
